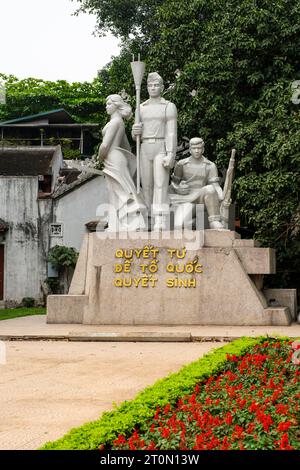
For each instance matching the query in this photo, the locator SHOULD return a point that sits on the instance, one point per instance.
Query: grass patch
(8, 313)
(129, 414)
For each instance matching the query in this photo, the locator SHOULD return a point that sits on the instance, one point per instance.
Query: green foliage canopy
(241, 59)
(123, 18)
(84, 101)
(229, 66)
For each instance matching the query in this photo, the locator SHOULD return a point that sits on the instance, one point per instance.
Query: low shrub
(28, 302)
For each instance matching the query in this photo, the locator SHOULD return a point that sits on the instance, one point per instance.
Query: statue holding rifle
(195, 181)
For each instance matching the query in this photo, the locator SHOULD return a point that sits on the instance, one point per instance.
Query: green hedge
(169, 389)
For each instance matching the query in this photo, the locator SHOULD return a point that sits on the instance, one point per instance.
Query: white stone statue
(195, 181)
(119, 168)
(158, 131)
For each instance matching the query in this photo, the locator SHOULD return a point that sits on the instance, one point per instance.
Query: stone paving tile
(49, 387)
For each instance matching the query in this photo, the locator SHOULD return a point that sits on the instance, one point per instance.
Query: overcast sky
(41, 39)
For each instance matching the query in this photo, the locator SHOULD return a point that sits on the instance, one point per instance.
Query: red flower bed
(252, 404)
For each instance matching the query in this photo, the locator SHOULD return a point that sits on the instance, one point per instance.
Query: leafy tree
(123, 18)
(85, 101)
(63, 259)
(229, 66)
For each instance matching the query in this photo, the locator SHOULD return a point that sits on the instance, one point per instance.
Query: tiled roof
(54, 116)
(26, 161)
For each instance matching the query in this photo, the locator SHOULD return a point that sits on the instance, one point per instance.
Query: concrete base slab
(215, 238)
(219, 292)
(279, 316)
(247, 243)
(35, 328)
(135, 336)
(257, 260)
(66, 308)
(280, 297)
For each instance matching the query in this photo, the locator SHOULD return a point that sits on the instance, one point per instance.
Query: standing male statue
(158, 131)
(195, 181)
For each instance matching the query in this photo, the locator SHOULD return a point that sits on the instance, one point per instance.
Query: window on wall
(56, 230)
(45, 183)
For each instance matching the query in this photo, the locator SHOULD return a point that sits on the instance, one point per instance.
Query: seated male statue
(195, 181)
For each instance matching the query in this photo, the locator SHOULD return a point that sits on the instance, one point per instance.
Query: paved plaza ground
(48, 387)
(35, 327)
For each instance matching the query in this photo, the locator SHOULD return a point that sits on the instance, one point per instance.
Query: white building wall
(76, 208)
(28, 239)
(57, 163)
(25, 266)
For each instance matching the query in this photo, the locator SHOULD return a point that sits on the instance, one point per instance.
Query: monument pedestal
(209, 277)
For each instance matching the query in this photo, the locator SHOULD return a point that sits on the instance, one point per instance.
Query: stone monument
(158, 133)
(130, 275)
(119, 168)
(195, 181)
